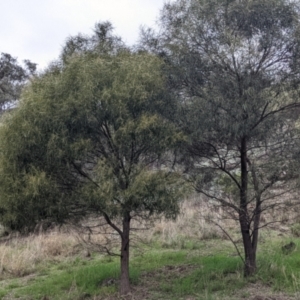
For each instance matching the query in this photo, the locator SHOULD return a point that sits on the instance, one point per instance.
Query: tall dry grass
(196, 221)
(20, 256)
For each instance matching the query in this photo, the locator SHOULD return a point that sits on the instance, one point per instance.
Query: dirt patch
(258, 291)
(149, 282)
(169, 271)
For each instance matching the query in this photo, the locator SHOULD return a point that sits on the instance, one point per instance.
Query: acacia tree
(83, 143)
(12, 78)
(235, 67)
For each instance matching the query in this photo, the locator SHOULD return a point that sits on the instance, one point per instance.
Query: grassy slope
(188, 259)
(197, 270)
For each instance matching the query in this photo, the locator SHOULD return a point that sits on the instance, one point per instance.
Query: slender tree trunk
(257, 211)
(250, 255)
(250, 259)
(125, 284)
(256, 227)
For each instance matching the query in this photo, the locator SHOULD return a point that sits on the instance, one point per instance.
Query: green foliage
(91, 138)
(235, 68)
(85, 139)
(226, 184)
(12, 78)
(231, 60)
(103, 41)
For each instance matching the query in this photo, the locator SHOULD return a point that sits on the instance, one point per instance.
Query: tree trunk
(257, 211)
(125, 284)
(250, 257)
(256, 227)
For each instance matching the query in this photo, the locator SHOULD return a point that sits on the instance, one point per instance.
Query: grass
(186, 259)
(173, 273)
(22, 256)
(211, 275)
(279, 270)
(164, 274)
(73, 282)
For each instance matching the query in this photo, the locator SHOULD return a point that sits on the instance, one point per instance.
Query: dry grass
(199, 219)
(21, 256)
(189, 225)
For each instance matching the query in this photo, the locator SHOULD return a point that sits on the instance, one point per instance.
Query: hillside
(187, 259)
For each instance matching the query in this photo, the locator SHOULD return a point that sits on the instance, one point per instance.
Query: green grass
(279, 270)
(72, 281)
(213, 274)
(208, 271)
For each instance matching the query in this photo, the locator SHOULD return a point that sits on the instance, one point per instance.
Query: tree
(12, 78)
(84, 142)
(235, 67)
(103, 41)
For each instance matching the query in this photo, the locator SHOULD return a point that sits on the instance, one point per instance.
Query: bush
(296, 230)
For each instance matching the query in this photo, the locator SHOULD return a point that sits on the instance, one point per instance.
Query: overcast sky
(37, 29)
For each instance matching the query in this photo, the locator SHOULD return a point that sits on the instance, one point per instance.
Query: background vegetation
(108, 142)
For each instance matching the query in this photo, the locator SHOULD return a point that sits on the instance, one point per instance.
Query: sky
(37, 29)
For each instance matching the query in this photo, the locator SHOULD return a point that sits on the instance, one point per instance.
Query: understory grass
(211, 271)
(174, 273)
(186, 259)
(277, 269)
(72, 283)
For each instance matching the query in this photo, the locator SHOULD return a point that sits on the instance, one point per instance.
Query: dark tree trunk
(250, 255)
(124, 283)
(257, 211)
(256, 226)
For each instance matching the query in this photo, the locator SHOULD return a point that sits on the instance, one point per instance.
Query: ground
(188, 259)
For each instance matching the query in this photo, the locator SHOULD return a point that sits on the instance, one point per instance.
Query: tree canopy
(12, 78)
(90, 138)
(235, 67)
